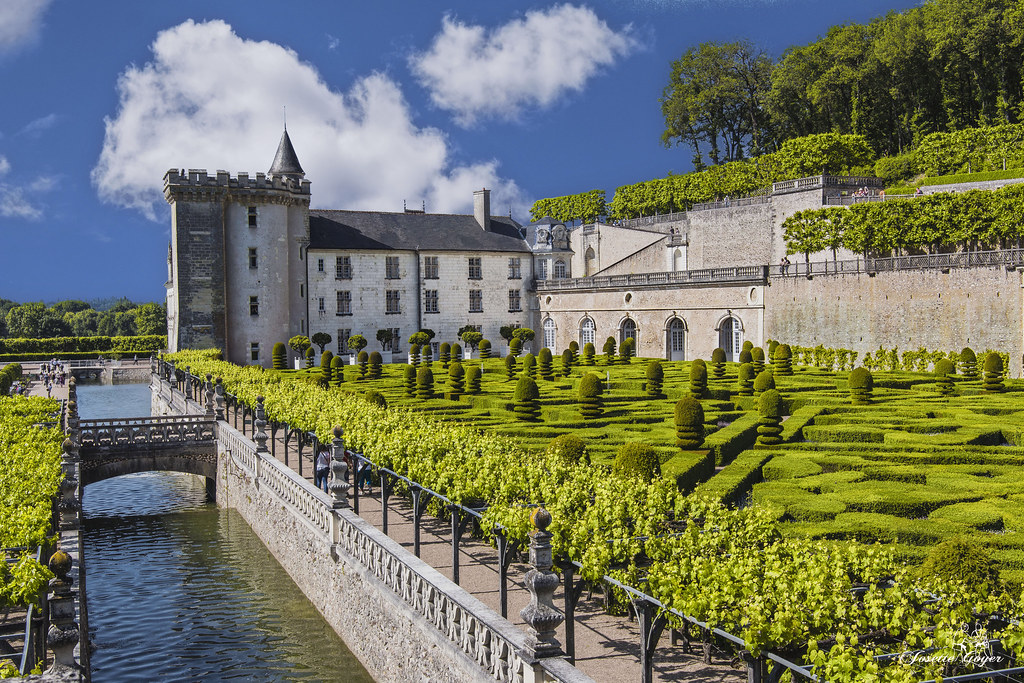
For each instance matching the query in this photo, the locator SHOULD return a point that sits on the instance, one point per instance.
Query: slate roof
(378, 230)
(286, 162)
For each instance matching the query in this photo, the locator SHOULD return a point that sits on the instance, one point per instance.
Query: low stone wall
(940, 311)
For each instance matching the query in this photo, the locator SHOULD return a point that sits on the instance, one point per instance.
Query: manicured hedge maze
(911, 467)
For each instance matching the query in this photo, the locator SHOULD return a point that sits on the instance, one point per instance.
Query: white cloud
(210, 99)
(20, 21)
(18, 201)
(528, 62)
(36, 127)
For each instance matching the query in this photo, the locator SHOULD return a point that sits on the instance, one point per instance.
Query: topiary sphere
(718, 355)
(944, 367)
(530, 365)
(485, 348)
(588, 353)
(747, 346)
(745, 355)
(457, 370)
(574, 346)
(765, 381)
(861, 378)
(590, 386)
(526, 399)
(635, 459)
(363, 357)
(770, 404)
(376, 398)
(993, 363)
(526, 389)
(569, 447)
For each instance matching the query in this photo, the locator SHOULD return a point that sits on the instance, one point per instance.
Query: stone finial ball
(67, 445)
(260, 399)
(338, 431)
(60, 563)
(219, 380)
(208, 377)
(541, 519)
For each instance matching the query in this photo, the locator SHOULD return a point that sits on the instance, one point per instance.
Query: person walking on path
(323, 467)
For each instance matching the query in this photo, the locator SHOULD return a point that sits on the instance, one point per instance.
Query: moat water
(180, 590)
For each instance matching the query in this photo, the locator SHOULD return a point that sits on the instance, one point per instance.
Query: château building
(251, 264)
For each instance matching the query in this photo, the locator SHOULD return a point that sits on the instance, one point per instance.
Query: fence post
(260, 423)
(338, 486)
(219, 398)
(209, 395)
(541, 616)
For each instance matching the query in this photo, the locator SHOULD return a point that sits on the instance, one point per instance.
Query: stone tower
(237, 272)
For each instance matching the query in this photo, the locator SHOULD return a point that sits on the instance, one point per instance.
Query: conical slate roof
(286, 163)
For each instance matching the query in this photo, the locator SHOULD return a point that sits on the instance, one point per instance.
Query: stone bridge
(182, 443)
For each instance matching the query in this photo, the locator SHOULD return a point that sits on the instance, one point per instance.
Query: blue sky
(414, 100)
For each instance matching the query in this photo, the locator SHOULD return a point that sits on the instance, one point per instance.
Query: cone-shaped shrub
(457, 352)
(310, 357)
(689, 423)
(745, 380)
(769, 424)
(590, 396)
(473, 375)
(698, 378)
(414, 354)
(526, 399)
(424, 383)
(515, 347)
(968, 363)
(325, 367)
(757, 360)
(746, 355)
(783, 360)
(718, 363)
(655, 378)
(567, 361)
(772, 346)
(609, 350)
(337, 371)
(544, 364)
(993, 373)
(280, 356)
(410, 380)
(569, 447)
(376, 365)
(575, 348)
(444, 354)
(530, 366)
(426, 355)
(943, 369)
(376, 398)
(747, 346)
(485, 348)
(861, 384)
(764, 381)
(635, 459)
(510, 366)
(627, 350)
(456, 381)
(588, 354)
(362, 360)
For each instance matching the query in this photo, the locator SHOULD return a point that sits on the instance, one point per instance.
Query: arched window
(678, 260)
(676, 340)
(560, 269)
(586, 332)
(628, 329)
(730, 338)
(549, 334)
(590, 259)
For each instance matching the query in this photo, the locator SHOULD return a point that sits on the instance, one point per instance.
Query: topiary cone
(689, 416)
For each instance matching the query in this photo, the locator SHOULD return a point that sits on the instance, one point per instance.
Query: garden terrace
(755, 275)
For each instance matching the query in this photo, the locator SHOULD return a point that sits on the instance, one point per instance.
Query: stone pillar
(219, 398)
(260, 424)
(171, 376)
(63, 634)
(209, 395)
(152, 363)
(540, 615)
(69, 507)
(338, 486)
(188, 381)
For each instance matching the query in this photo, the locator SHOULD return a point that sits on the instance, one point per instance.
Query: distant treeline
(73, 318)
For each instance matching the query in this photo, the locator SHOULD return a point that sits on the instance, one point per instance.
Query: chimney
(482, 208)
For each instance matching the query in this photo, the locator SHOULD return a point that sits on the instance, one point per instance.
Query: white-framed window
(549, 334)
(319, 265)
(343, 268)
(430, 270)
(391, 267)
(587, 331)
(321, 305)
(392, 301)
(430, 301)
(515, 302)
(476, 301)
(476, 271)
(515, 268)
(542, 269)
(344, 302)
(254, 305)
(560, 271)
(628, 329)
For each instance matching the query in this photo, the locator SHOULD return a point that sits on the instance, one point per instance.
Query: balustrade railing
(146, 430)
(743, 274)
(1010, 258)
